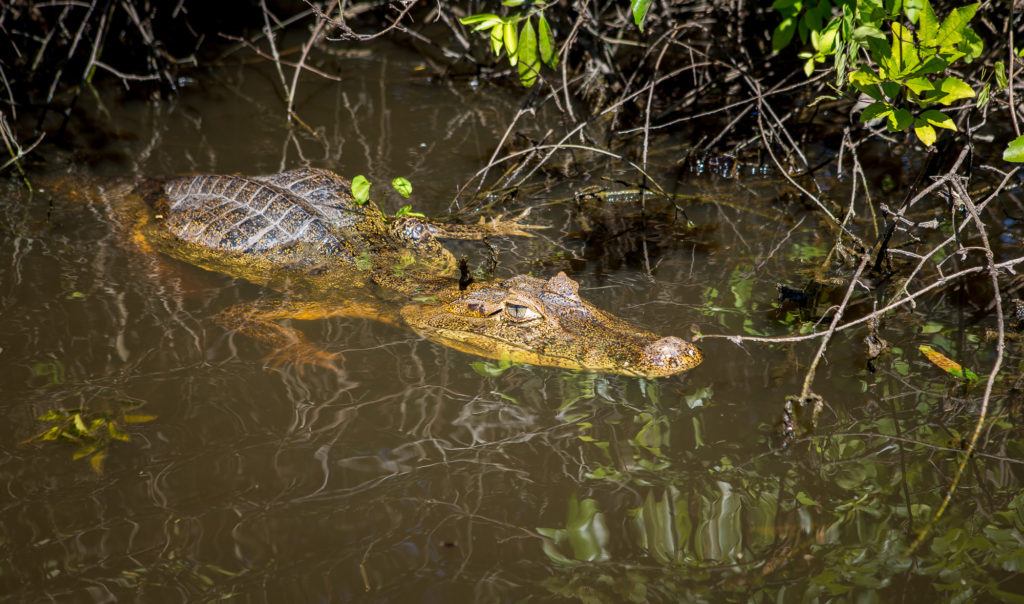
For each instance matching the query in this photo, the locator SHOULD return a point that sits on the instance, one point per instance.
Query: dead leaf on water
(947, 364)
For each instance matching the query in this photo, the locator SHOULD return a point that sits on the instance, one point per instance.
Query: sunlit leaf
(546, 41)
(1000, 69)
(79, 423)
(1015, 151)
(938, 119)
(497, 39)
(952, 89)
(480, 18)
(511, 41)
(918, 85)
(783, 34)
(407, 210)
(952, 29)
(97, 460)
(361, 189)
(874, 111)
(639, 8)
(900, 119)
(946, 364)
(116, 433)
(138, 418)
(925, 133)
(529, 60)
(403, 186)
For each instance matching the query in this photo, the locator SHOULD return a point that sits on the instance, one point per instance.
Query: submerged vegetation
(888, 135)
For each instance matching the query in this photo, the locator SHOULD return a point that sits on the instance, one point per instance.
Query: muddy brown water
(412, 474)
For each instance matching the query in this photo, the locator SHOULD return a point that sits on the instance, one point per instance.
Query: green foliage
(406, 210)
(1015, 151)
(402, 185)
(361, 189)
(639, 10)
(526, 48)
(91, 432)
(907, 71)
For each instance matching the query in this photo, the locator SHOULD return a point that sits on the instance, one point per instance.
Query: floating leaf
(403, 186)
(138, 418)
(947, 364)
(361, 189)
(97, 460)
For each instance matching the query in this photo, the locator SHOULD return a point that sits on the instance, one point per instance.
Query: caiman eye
(518, 312)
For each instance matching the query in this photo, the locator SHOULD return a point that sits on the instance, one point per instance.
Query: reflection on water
(419, 473)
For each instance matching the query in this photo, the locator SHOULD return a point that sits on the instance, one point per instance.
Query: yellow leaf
(947, 364)
(96, 461)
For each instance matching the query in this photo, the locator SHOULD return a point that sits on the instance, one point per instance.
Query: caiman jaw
(529, 320)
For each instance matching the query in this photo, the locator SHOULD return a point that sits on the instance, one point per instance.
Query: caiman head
(529, 320)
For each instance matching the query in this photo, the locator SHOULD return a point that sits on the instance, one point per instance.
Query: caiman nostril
(668, 351)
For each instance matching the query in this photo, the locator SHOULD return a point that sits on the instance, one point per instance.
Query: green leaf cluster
(525, 46)
(897, 52)
(908, 80)
(91, 432)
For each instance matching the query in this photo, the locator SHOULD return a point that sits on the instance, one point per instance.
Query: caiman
(301, 233)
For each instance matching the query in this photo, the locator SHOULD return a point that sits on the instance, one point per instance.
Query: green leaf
(1000, 69)
(361, 189)
(497, 39)
(477, 19)
(952, 30)
(1015, 151)
(900, 119)
(547, 43)
(406, 210)
(918, 85)
(925, 133)
(891, 89)
(904, 55)
(529, 60)
(117, 434)
(138, 418)
(972, 45)
(928, 23)
(402, 185)
(809, 67)
(952, 89)
(938, 119)
(80, 423)
(783, 34)
(983, 96)
(864, 77)
(874, 111)
(947, 364)
(639, 8)
(511, 41)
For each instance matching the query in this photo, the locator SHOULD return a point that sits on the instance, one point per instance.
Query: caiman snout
(671, 353)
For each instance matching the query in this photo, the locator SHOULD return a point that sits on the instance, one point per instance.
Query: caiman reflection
(301, 233)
